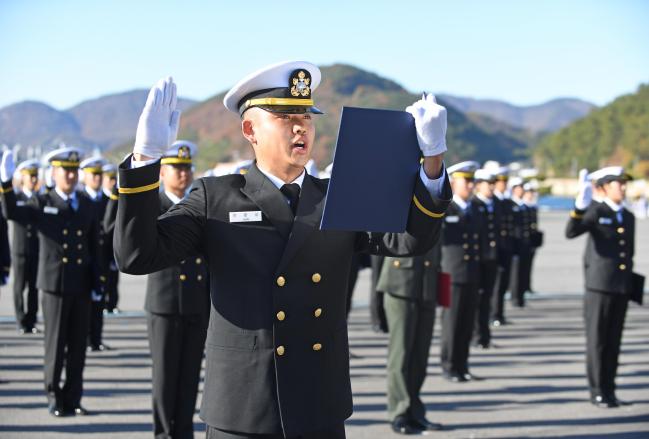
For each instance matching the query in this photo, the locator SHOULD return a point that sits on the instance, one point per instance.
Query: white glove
(7, 166)
(158, 125)
(430, 122)
(585, 195)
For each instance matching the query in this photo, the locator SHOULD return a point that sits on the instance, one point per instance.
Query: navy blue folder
(375, 166)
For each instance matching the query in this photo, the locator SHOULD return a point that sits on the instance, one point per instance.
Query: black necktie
(292, 193)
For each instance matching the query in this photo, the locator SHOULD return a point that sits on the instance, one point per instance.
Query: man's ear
(248, 130)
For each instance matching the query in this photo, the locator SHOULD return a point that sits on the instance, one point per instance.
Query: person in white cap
(92, 168)
(24, 252)
(277, 358)
(68, 270)
(608, 273)
(522, 256)
(464, 225)
(506, 206)
(111, 291)
(530, 198)
(177, 305)
(486, 203)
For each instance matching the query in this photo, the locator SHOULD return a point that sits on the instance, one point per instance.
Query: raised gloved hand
(158, 125)
(430, 122)
(585, 195)
(7, 166)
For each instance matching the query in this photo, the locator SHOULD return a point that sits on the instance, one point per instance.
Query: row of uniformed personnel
(63, 246)
(99, 177)
(481, 232)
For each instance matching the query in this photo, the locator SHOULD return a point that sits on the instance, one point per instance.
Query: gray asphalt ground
(534, 385)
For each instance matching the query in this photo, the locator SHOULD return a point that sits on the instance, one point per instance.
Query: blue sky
(62, 52)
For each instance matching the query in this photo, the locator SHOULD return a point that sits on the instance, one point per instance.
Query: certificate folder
(375, 165)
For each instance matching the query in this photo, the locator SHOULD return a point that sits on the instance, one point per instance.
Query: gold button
(397, 263)
(182, 262)
(65, 231)
(281, 316)
(29, 226)
(622, 267)
(491, 226)
(476, 247)
(477, 258)
(199, 277)
(65, 260)
(280, 350)
(101, 242)
(475, 236)
(620, 230)
(622, 255)
(183, 277)
(281, 281)
(467, 257)
(465, 246)
(29, 234)
(317, 312)
(492, 243)
(65, 245)
(79, 261)
(102, 278)
(316, 278)
(622, 242)
(79, 246)
(465, 235)
(503, 233)
(79, 233)
(426, 263)
(198, 260)
(317, 347)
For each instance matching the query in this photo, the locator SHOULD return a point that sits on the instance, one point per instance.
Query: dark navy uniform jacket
(608, 259)
(69, 259)
(277, 350)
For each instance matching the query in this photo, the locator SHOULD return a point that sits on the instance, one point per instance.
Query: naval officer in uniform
(461, 255)
(92, 168)
(485, 201)
(177, 303)
(608, 268)
(68, 270)
(111, 292)
(505, 205)
(24, 252)
(277, 355)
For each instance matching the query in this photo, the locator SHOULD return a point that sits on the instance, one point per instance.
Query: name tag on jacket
(245, 217)
(51, 210)
(452, 219)
(605, 220)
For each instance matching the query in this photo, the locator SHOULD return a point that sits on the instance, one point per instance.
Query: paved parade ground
(534, 385)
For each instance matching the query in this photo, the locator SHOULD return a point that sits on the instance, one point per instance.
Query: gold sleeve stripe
(424, 210)
(575, 215)
(137, 190)
(113, 197)
(4, 191)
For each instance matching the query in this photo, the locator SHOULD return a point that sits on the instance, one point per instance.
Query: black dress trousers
(25, 303)
(177, 343)
(604, 318)
(66, 320)
(488, 274)
(457, 328)
(502, 284)
(337, 432)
